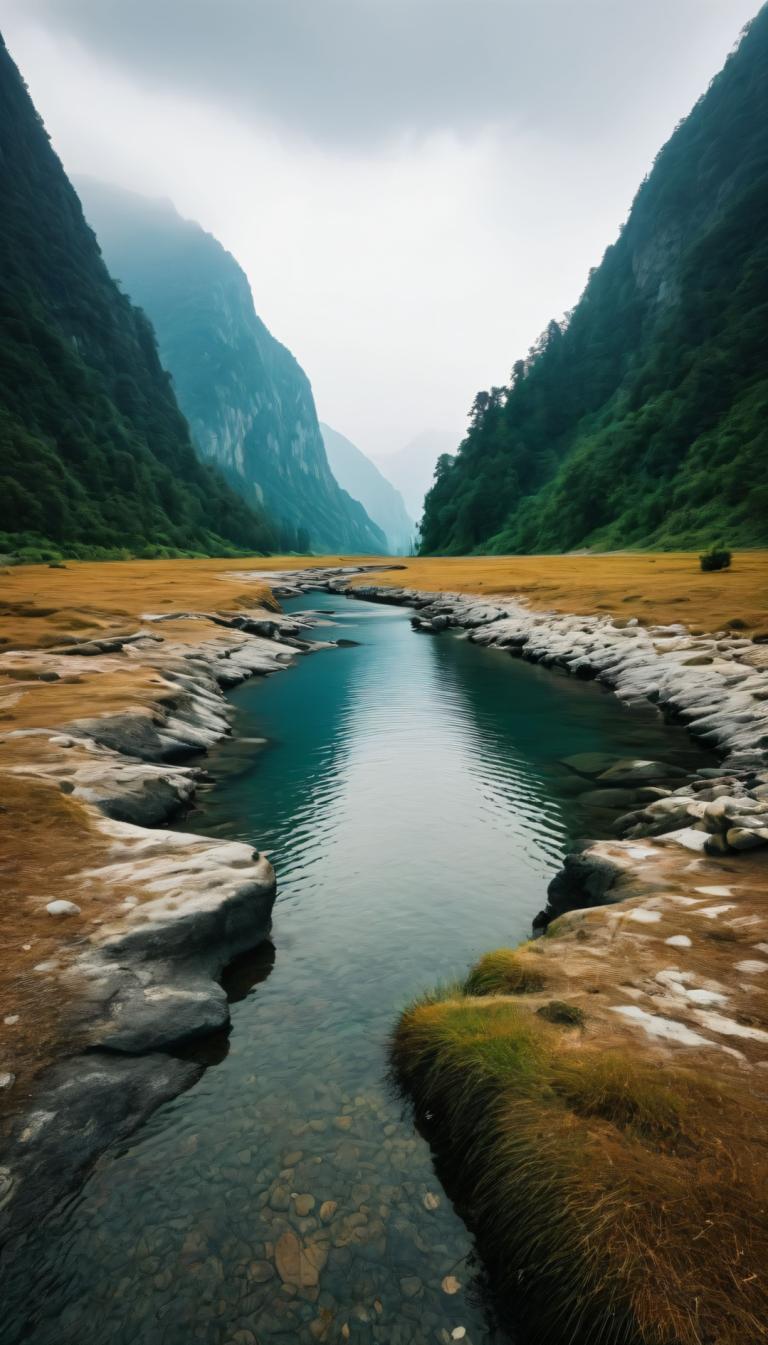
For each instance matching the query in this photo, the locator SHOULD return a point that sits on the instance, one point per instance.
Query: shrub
(716, 559)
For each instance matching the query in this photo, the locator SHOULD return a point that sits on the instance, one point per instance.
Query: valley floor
(111, 673)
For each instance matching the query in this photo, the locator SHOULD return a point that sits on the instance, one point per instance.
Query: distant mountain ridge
(412, 468)
(95, 456)
(642, 420)
(358, 475)
(248, 401)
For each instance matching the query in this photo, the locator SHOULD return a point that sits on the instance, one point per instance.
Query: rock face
(248, 401)
(95, 450)
(359, 476)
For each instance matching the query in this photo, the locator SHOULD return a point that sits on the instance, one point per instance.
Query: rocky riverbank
(596, 1098)
(117, 930)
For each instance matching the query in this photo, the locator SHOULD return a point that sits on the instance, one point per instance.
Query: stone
(410, 1286)
(303, 1204)
(62, 908)
(260, 1272)
(450, 1285)
(589, 763)
(7, 1079)
(299, 1264)
(743, 838)
(327, 1210)
(280, 1199)
(431, 1201)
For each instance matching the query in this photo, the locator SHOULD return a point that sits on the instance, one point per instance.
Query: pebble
(280, 1199)
(60, 908)
(10, 1019)
(431, 1201)
(303, 1204)
(411, 1286)
(327, 1210)
(450, 1285)
(7, 1080)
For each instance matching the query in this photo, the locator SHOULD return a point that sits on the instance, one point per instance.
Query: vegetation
(716, 559)
(641, 418)
(613, 1199)
(95, 456)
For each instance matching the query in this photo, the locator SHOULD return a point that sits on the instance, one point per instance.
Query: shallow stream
(411, 793)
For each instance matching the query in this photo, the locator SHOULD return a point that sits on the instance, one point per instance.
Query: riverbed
(412, 796)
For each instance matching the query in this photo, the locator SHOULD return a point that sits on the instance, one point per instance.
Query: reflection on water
(411, 797)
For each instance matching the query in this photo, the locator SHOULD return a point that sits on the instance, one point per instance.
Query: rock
(7, 1080)
(589, 763)
(327, 1210)
(431, 1201)
(280, 1199)
(61, 908)
(741, 838)
(410, 1286)
(458, 1333)
(299, 1264)
(260, 1272)
(303, 1204)
(450, 1285)
(636, 771)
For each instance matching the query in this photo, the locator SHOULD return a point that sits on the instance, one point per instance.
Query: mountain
(95, 455)
(364, 482)
(248, 401)
(642, 419)
(411, 469)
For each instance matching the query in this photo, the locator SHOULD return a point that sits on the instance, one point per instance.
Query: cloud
(359, 72)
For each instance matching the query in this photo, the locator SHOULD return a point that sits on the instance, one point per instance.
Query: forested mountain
(642, 419)
(249, 403)
(364, 482)
(94, 452)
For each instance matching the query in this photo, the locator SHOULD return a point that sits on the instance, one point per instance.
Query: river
(411, 793)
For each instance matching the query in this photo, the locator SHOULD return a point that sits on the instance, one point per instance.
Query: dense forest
(95, 456)
(248, 401)
(641, 419)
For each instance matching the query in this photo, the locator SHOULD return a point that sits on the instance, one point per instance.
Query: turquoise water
(411, 795)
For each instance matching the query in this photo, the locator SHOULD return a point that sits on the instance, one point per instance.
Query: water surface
(411, 794)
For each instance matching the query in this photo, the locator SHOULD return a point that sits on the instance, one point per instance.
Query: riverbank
(115, 929)
(596, 1098)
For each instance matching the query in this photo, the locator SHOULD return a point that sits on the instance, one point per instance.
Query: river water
(411, 794)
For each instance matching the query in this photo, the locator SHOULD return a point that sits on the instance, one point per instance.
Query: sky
(414, 187)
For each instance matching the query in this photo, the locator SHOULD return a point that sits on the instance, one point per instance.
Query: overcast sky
(414, 187)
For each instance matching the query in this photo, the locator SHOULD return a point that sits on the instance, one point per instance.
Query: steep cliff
(94, 453)
(359, 476)
(248, 401)
(642, 419)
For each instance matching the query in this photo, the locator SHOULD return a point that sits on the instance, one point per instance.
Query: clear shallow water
(411, 796)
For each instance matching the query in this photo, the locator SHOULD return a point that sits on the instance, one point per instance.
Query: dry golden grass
(662, 587)
(46, 841)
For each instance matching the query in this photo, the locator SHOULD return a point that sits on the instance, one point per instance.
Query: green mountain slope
(642, 420)
(94, 452)
(248, 401)
(359, 476)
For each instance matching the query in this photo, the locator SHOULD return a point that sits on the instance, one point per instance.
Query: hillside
(249, 403)
(95, 456)
(358, 475)
(641, 420)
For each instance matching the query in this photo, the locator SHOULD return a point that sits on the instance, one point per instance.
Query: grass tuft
(506, 971)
